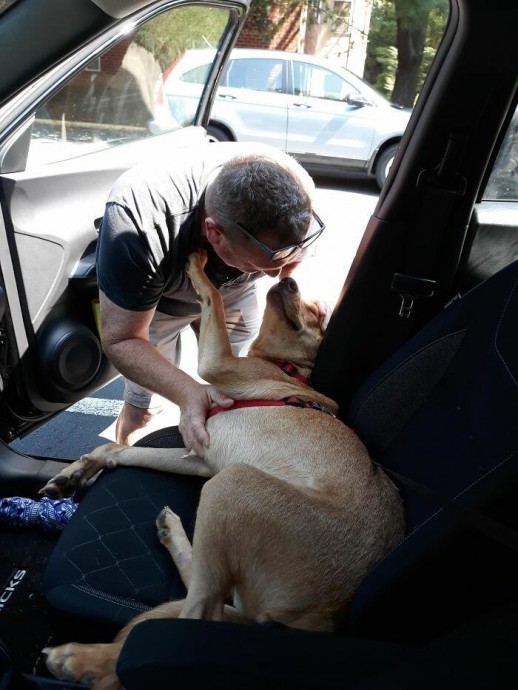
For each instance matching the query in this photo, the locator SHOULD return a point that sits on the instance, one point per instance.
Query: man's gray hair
(266, 197)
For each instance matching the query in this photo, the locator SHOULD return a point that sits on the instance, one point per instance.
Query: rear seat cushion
(108, 564)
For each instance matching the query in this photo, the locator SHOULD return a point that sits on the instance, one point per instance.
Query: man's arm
(125, 339)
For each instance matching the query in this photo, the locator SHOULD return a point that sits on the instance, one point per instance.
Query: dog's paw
(168, 524)
(63, 485)
(91, 664)
(196, 261)
(76, 475)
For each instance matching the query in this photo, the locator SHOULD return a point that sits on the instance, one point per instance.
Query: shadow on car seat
(441, 411)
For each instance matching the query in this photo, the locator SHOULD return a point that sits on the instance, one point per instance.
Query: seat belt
(507, 536)
(440, 187)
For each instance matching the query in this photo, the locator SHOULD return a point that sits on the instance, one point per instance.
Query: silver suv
(324, 115)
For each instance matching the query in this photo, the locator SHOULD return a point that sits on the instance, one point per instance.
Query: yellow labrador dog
(295, 514)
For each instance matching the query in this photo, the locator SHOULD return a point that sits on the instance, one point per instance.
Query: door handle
(226, 97)
(302, 106)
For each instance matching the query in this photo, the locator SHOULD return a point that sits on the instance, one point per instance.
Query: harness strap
(293, 401)
(245, 403)
(291, 370)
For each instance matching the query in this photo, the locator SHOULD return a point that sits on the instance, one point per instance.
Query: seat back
(442, 411)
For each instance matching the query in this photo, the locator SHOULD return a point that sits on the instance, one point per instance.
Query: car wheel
(215, 133)
(383, 164)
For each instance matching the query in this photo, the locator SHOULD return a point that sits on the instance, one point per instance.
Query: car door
(66, 137)
(322, 125)
(252, 101)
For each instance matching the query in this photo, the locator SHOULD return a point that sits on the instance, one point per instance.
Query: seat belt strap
(440, 187)
(473, 518)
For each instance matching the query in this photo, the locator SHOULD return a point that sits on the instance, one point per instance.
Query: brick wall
(286, 26)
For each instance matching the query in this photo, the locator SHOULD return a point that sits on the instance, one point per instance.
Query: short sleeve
(127, 269)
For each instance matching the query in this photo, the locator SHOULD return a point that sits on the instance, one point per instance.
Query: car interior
(420, 354)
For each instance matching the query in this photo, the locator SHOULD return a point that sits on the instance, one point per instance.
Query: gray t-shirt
(151, 224)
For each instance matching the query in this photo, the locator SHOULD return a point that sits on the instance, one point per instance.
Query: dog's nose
(290, 284)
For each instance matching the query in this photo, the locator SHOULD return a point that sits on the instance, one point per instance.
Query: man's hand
(324, 312)
(193, 415)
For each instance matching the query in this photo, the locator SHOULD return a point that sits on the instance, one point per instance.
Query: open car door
(80, 104)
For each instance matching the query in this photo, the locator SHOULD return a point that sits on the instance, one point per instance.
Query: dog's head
(291, 329)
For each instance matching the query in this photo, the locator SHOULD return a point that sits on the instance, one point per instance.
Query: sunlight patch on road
(98, 406)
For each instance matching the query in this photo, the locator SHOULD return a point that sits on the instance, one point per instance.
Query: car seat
(440, 607)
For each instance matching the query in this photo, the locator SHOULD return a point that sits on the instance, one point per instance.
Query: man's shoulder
(184, 171)
(177, 173)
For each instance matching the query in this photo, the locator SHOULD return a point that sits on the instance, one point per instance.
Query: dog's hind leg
(211, 579)
(172, 536)
(266, 542)
(225, 531)
(95, 664)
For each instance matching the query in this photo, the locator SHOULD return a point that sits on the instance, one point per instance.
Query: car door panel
(51, 216)
(252, 101)
(253, 115)
(329, 128)
(320, 120)
(491, 244)
(68, 139)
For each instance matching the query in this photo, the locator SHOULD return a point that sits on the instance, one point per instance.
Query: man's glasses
(286, 252)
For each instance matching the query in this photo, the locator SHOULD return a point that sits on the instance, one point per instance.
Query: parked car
(420, 353)
(327, 117)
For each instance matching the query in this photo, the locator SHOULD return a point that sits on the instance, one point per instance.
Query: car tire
(383, 164)
(215, 133)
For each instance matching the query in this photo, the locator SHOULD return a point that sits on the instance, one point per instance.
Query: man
(243, 203)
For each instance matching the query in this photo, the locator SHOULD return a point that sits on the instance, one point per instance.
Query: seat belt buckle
(410, 289)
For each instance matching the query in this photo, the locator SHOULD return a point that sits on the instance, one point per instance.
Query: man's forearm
(138, 360)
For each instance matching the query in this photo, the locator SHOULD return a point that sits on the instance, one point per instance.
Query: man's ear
(213, 232)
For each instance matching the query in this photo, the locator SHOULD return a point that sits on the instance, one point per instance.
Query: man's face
(245, 256)
(250, 260)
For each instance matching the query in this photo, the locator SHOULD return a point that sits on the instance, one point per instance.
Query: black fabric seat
(441, 411)
(108, 564)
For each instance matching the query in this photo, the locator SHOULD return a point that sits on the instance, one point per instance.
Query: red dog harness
(292, 400)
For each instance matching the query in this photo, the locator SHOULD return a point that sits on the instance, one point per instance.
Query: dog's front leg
(215, 358)
(76, 475)
(110, 455)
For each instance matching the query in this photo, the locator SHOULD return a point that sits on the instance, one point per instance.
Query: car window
(503, 182)
(119, 97)
(197, 75)
(258, 74)
(318, 82)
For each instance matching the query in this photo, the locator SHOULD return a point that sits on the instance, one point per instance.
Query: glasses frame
(290, 248)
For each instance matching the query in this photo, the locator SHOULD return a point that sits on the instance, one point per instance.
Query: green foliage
(170, 34)
(381, 63)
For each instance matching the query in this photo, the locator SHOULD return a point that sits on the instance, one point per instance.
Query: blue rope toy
(51, 515)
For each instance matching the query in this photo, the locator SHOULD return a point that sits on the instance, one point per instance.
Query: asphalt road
(345, 207)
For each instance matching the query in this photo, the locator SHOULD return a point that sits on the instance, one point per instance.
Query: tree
(404, 37)
(412, 22)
